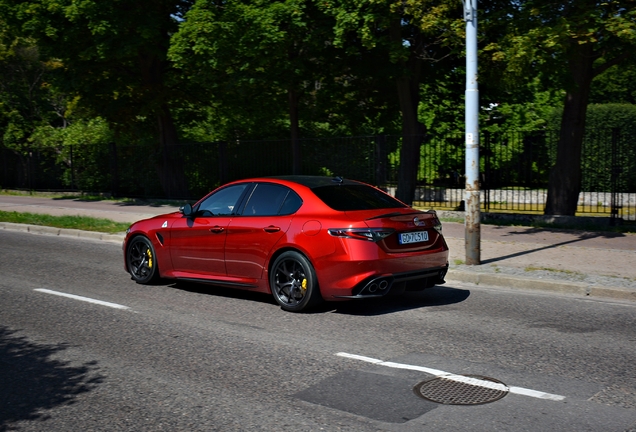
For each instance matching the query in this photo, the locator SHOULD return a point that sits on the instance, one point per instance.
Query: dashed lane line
(85, 299)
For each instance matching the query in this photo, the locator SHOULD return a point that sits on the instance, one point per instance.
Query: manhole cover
(461, 390)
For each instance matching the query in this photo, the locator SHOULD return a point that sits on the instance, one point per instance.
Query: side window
(223, 202)
(291, 205)
(268, 200)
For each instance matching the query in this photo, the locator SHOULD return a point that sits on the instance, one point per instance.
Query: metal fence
(514, 169)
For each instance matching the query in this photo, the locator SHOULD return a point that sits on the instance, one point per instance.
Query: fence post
(223, 172)
(380, 155)
(616, 203)
(114, 172)
(3, 181)
(30, 170)
(71, 167)
(486, 174)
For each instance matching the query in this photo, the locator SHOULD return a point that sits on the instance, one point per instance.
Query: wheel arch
(313, 293)
(279, 252)
(154, 241)
(127, 242)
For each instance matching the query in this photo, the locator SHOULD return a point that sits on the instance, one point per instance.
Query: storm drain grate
(461, 390)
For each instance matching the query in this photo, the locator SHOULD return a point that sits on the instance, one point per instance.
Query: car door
(197, 243)
(265, 218)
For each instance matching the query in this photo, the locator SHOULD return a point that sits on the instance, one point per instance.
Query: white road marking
(86, 299)
(458, 378)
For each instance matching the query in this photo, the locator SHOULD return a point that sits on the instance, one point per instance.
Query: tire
(141, 260)
(293, 282)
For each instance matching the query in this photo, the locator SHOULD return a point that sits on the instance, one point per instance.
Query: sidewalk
(583, 263)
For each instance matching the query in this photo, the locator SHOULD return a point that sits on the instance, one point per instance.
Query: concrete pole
(471, 199)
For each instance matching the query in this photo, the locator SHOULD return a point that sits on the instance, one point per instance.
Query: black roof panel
(316, 181)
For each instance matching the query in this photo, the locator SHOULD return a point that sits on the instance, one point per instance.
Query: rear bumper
(380, 286)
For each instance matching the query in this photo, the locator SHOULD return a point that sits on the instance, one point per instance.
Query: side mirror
(186, 210)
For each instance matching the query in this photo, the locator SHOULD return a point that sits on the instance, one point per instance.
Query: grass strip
(68, 222)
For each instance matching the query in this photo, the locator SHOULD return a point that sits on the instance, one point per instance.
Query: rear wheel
(293, 282)
(141, 260)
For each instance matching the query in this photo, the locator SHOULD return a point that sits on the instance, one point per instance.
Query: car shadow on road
(221, 291)
(435, 296)
(33, 382)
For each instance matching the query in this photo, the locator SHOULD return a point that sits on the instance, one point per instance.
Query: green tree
(24, 97)
(267, 59)
(81, 149)
(112, 57)
(407, 35)
(567, 43)
(26, 100)
(616, 85)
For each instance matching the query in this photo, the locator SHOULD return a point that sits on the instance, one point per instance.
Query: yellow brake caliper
(303, 286)
(149, 254)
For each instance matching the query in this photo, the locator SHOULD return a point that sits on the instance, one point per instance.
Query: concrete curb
(530, 284)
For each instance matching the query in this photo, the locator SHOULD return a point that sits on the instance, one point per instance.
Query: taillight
(436, 222)
(437, 225)
(371, 234)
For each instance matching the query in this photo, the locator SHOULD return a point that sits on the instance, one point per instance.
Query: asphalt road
(197, 358)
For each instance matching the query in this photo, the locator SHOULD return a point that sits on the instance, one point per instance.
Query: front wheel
(293, 282)
(141, 260)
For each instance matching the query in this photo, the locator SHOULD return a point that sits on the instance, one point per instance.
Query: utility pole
(471, 198)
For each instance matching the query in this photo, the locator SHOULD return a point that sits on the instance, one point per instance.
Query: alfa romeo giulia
(303, 239)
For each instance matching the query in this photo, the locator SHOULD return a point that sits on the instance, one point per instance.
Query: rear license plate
(413, 237)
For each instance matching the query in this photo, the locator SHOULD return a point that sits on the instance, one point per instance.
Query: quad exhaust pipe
(375, 285)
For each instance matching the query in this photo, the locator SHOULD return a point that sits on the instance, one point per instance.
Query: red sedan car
(301, 238)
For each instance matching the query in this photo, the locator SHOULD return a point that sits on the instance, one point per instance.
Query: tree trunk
(408, 88)
(412, 131)
(565, 177)
(170, 164)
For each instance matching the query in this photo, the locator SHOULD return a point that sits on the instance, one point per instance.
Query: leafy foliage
(155, 73)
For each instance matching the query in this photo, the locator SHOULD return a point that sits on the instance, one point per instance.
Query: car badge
(165, 224)
(418, 222)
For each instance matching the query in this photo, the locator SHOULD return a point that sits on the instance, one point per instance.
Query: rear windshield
(355, 197)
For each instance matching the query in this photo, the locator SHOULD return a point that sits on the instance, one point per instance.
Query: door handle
(271, 229)
(217, 229)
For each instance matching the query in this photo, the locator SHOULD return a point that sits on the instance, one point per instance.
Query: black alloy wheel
(293, 282)
(141, 260)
